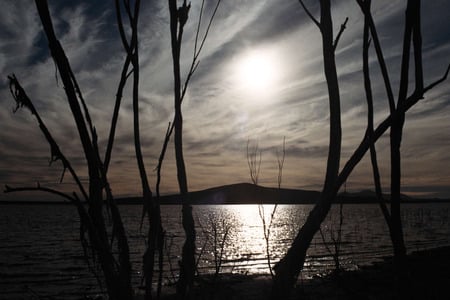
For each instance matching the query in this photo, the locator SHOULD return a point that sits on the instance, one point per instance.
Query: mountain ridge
(247, 193)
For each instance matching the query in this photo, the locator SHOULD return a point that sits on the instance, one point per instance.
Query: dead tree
(178, 19)
(411, 34)
(254, 163)
(151, 206)
(369, 29)
(289, 267)
(109, 246)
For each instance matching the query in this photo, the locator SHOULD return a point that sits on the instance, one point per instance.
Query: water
(41, 255)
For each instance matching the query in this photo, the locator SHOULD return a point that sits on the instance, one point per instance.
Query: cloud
(219, 117)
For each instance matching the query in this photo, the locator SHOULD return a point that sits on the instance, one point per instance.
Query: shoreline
(426, 276)
(245, 193)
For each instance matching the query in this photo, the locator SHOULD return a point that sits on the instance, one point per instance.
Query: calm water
(40, 252)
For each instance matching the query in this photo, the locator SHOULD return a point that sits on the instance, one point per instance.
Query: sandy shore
(426, 276)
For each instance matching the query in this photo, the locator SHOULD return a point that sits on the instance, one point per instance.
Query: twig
(254, 164)
(365, 8)
(9, 189)
(369, 130)
(309, 14)
(22, 99)
(336, 41)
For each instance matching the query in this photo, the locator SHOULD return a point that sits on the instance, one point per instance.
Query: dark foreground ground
(427, 276)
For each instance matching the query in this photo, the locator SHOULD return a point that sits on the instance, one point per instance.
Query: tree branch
(336, 41)
(365, 8)
(369, 130)
(22, 99)
(380, 130)
(309, 14)
(9, 189)
(432, 85)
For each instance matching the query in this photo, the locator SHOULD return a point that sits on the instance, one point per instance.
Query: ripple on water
(40, 250)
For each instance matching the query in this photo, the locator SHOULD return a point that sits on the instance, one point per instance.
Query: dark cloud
(219, 118)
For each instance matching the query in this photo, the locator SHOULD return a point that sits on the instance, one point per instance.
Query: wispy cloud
(219, 116)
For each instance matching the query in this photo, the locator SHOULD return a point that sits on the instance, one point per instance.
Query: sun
(256, 72)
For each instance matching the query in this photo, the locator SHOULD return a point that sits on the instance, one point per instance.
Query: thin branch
(281, 162)
(369, 130)
(115, 117)
(195, 61)
(161, 158)
(358, 154)
(22, 99)
(310, 14)
(207, 29)
(324, 241)
(9, 189)
(83, 105)
(198, 28)
(365, 8)
(254, 165)
(439, 81)
(417, 44)
(121, 27)
(336, 41)
(194, 65)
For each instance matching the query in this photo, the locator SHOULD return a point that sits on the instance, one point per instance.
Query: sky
(260, 79)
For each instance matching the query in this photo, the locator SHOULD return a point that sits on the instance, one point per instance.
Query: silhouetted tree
(369, 29)
(151, 206)
(268, 225)
(254, 156)
(109, 247)
(289, 267)
(411, 34)
(393, 218)
(178, 19)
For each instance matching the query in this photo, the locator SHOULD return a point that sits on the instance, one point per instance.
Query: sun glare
(256, 72)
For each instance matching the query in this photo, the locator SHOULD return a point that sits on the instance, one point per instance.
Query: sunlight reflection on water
(40, 248)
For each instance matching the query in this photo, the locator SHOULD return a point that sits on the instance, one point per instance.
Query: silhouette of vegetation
(151, 206)
(336, 239)
(102, 232)
(178, 19)
(220, 231)
(289, 267)
(97, 236)
(395, 227)
(109, 247)
(370, 29)
(254, 156)
(262, 215)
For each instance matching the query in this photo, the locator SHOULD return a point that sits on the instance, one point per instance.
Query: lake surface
(41, 255)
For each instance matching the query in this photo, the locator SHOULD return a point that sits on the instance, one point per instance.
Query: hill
(246, 193)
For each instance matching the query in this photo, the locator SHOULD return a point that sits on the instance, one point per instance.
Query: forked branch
(22, 100)
(336, 41)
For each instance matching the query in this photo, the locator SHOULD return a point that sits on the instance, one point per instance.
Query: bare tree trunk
(412, 32)
(178, 18)
(150, 205)
(368, 23)
(289, 267)
(117, 273)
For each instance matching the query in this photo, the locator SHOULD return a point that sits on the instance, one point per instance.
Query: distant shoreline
(125, 201)
(244, 193)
